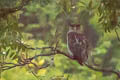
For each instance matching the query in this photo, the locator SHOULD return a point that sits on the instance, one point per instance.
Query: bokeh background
(43, 23)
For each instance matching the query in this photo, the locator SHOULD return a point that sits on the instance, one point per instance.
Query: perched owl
(77, 44)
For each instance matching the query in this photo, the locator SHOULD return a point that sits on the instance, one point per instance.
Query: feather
(77, 46)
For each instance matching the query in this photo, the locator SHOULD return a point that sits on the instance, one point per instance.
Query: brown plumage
(77, 45)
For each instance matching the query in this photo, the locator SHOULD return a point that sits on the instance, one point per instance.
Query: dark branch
(28, 60)
(6, 11)
(104, 70)
(89, 66)
(34, 57)
(117, 34)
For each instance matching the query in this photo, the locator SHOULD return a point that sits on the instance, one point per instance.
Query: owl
(77, 43)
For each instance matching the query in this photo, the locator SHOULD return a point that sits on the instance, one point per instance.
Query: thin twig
(34, 57)
(117, 34)
(6, 11)
(104, 70)
(36, 48)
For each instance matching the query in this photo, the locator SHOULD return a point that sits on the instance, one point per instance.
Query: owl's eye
(71, 25)
(77, 25)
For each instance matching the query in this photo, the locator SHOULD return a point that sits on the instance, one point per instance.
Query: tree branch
(117, 35)
(104, 70)
(28, 60)
(89, 66)
(6, 11)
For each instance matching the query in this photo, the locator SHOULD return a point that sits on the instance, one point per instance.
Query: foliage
(109, 12)
(44, 23)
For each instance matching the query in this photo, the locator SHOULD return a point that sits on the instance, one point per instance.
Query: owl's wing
(83, 43)
(77, 44)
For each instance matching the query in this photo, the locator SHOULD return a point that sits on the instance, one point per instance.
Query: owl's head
(75, 28)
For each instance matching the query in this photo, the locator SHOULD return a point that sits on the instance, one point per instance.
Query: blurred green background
(43, 23)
